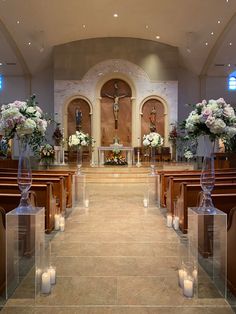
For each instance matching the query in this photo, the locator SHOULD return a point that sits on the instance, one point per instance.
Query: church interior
(117, 157)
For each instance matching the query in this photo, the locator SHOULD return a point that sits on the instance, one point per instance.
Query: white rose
(228, 112)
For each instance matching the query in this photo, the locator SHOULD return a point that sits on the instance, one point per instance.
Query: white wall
(14, 87)
(217, 87)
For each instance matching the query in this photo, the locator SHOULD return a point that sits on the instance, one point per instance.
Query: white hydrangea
(153, 139)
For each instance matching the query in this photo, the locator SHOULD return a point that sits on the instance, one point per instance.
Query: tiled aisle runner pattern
(117, 257)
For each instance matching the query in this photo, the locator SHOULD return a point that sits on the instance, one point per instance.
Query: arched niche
(146, 110)
(109, 131)
(81, 105)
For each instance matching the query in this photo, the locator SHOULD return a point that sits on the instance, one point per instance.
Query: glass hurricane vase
(79, 159)
(207, 179)
(152, 159)
(24, 177)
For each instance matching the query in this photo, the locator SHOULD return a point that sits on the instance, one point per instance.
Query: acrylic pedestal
(80, 191)
(151, 191)
(57, 155)
(208, 247)
(25, 252)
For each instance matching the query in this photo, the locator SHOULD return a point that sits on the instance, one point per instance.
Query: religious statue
(153, 118)
(78, 119)
(116, 103)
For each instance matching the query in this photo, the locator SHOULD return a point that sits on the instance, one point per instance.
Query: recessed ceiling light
(29, 43)
(158, 37)
(206, 43)
(212, 33)
(17, 22)
(84, 26)
(218, 21)
(115, 15)
(230, 44)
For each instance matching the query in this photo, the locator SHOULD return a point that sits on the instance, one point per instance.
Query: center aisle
(117, 257)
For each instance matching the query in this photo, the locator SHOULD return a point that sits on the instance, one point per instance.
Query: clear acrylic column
(208, 246)
(151, 191)
(80, 191)
(25, 252)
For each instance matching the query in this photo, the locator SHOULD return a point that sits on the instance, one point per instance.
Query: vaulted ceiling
(203, 30)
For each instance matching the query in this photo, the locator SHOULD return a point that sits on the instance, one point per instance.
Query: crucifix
(116, 98)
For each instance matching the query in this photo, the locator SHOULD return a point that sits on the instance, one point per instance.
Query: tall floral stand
(153, 160)
(25, 254)
(57, 155)
(80, 191)
(207, 179)
(208, 248)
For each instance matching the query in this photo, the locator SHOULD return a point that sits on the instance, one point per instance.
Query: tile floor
(116, 257)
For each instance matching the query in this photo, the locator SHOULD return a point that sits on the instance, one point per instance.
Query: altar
(129, 151)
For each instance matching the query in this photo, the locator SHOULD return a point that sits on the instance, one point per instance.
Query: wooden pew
(164, 176)
(174, 183)
(189, 197)
(44, 198)
(231, 252)
(68, 176)
(3, 251)
(59, 190)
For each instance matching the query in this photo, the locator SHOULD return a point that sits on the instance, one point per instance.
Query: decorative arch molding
(163, 101)
(142, 87)
(166, 113)
(65, 110)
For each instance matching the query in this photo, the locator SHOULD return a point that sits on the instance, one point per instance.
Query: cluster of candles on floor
(172, 222)
(187, 277)
(59, 222)
(47, 279)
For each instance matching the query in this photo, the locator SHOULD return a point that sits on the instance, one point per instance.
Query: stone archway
(109, 128)
(83, 107)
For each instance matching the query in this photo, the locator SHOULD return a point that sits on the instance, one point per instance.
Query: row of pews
(181, 189)
(51, 189)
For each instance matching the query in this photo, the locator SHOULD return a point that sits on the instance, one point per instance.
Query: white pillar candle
(57, 221)
(188, 287)
(86, 203)
(169, 221)
(182, 275)
(176, 223)
(52, 272)
(145, 202)
(62, 223)
(46, 283)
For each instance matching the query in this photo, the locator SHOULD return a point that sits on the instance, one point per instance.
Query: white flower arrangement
(153, 139)
(215, 118)
(47, 154)
(79, 139)
(23, 118)
(188, 154)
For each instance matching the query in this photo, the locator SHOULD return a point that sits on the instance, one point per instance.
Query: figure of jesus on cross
(116, 103)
